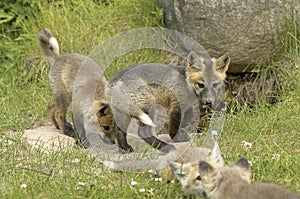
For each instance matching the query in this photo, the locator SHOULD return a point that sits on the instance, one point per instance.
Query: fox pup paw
(127, 149)
(69, 131)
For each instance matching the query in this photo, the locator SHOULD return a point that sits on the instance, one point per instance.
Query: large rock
(249, 30)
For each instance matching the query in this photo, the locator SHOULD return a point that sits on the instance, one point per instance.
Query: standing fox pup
(233, 182)
(133, 91)
(62, 74)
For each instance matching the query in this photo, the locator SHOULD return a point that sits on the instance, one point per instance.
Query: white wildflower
(276, 156)
(142, 190)
(246, 144)
(151, 171)
(157, 179)
(81, 183)
(151, 190)
(23, 186)
(75, 160)
(214, 133)
(133, 183)
(172, 181)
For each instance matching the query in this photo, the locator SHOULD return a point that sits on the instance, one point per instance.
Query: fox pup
(134, 90)
(62, 74)
(92, 117)
(186, 168)
(233, 182)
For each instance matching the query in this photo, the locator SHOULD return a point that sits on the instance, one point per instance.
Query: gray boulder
(249, 30)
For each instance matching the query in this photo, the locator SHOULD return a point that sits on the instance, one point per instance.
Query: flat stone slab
(49, 138)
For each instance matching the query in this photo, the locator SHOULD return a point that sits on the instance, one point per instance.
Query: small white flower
(172, 181)
(151, 171)
(276, 156)
(9, 142)
(157, 179)
(81, 183)
(214, 133)
(142, 190)
(246, 144)
(23, 186)
(151, 190)
(75, 160)
(133, 183)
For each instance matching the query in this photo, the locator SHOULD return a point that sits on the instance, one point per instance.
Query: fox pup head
(188, 173)
(105, 119)
(213, 177)
(206, 77)
(48, 43)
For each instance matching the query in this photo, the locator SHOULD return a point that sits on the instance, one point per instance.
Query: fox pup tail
(48, 43)
(144, 118)
(137, 165)
(137, 112)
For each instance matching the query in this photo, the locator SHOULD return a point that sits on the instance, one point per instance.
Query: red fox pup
(233, 182)
(133, 91)
(62, 73)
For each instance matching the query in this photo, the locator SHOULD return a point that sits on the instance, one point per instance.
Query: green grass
(55, 175)
(79, 27)
(272, 131)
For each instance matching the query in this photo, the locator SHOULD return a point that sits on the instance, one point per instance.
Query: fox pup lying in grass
(233, 182)
(186, 168)
(182, 162)
(63, 70)
(133, 91)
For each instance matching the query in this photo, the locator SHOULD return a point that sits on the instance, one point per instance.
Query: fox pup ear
(222, 63)
(245, 170)
(194, 62)
(100, 107)
(215, 155)
(204, 167)
(177, 169)
(243, 162)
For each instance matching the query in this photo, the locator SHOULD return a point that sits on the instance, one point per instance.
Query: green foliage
(78, 25)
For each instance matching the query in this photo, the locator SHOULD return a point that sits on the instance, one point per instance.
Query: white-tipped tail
(146, 120)
(53, 42)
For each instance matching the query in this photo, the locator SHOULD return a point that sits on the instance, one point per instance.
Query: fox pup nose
(208, 102)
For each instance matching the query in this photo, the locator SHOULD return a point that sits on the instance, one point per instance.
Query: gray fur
(233, 182)
(134, 90)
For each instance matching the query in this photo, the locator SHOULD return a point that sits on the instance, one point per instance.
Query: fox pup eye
(106, 128)
(198, 178)
(51, 48)
(200, 85)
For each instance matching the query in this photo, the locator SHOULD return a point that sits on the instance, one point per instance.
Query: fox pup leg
(174, 127)
(122, 141)
(146, 134)
(65, 126)
(51, 114)
(174, 123)
(61, 106)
